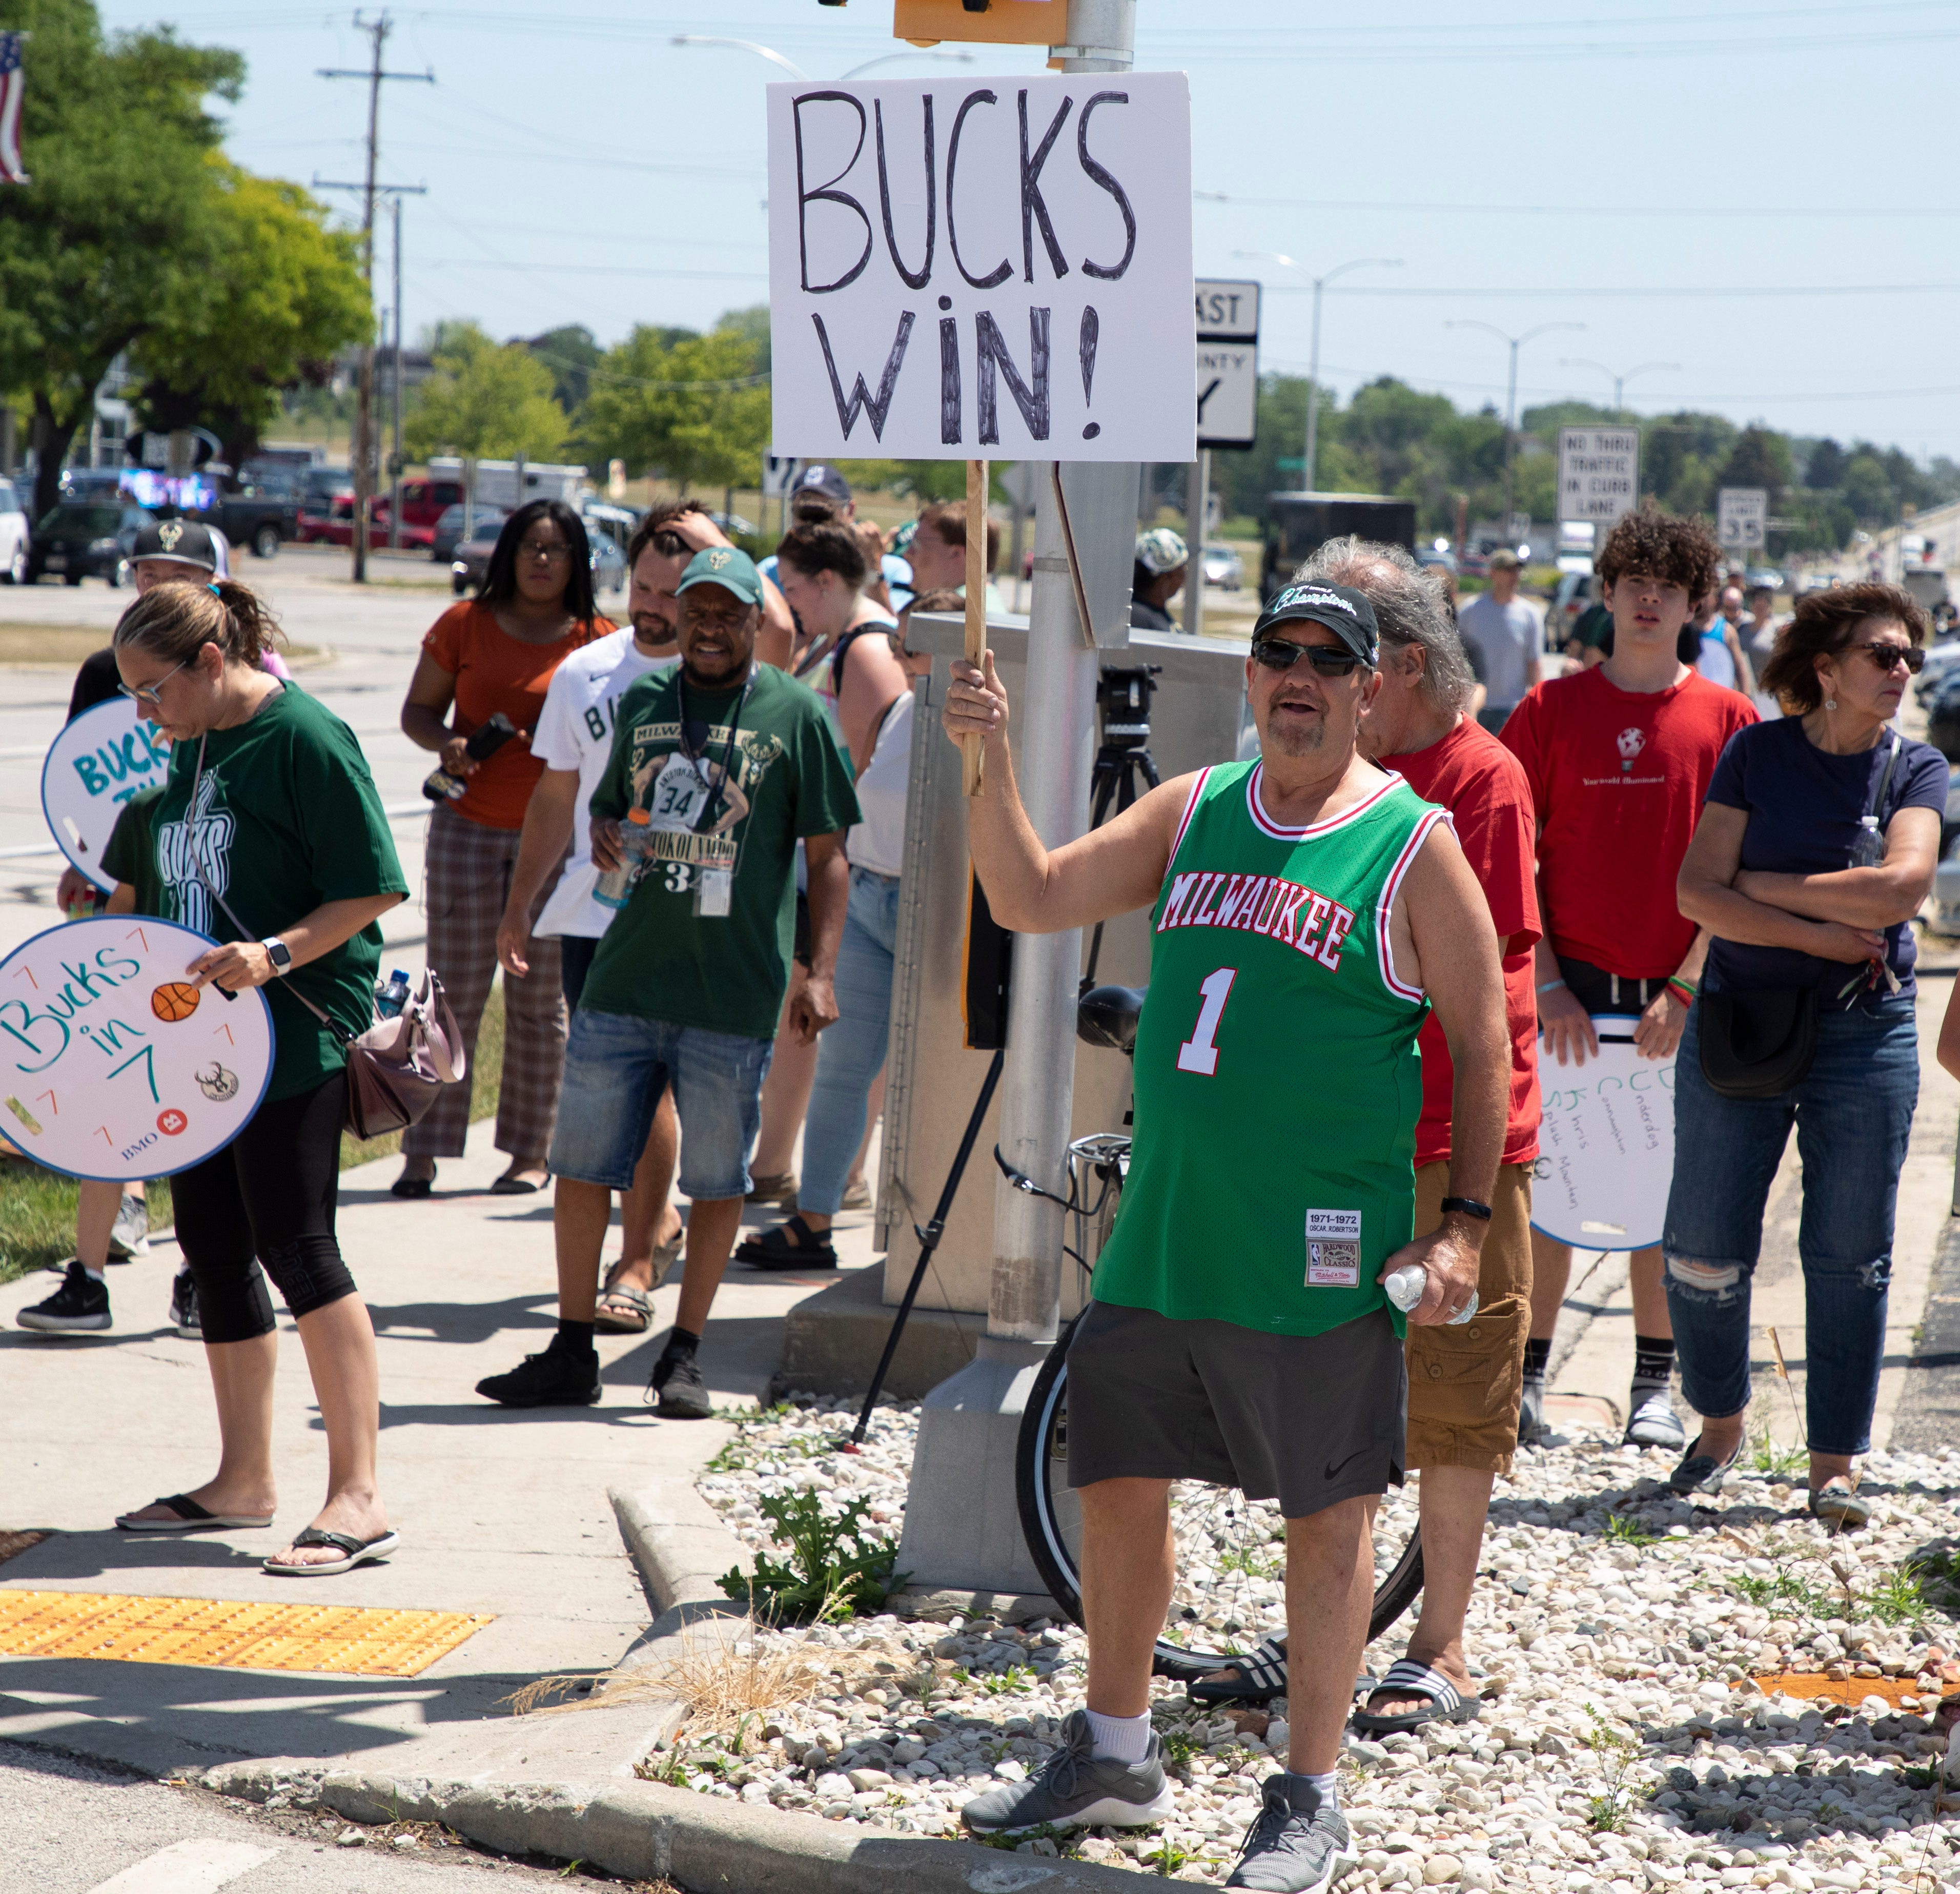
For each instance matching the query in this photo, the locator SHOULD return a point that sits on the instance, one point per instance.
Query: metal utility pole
(378, 29)
(1618, 380)
(1514, 343)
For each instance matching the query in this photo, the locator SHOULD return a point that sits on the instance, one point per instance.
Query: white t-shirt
(1507, 636)
(575, 732)
(877, 840)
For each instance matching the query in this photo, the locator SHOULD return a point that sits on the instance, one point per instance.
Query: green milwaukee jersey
(1278, 1080)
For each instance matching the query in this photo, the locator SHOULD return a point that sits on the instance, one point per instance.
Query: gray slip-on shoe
(1700, 1473)
(1076, 1788)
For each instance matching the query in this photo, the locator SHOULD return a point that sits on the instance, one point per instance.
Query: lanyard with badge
(684, 795)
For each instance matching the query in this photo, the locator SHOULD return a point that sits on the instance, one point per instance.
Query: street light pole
(1514, 343)
(1310, 455)
(1619, 380)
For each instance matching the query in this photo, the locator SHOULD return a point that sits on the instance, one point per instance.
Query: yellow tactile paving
(351, 1640)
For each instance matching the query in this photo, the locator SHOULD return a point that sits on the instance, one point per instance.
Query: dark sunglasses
(1282, 654)
(1888, 656)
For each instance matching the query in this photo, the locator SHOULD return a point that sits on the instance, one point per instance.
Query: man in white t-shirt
(1505, 633)
(574, 739)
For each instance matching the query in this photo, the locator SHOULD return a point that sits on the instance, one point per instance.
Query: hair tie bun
(215, 593)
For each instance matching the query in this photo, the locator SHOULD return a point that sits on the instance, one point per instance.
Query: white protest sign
(1741, 516)
(1599, 472)
(93, 768)
(1605, 1144)
(112, 1063)
(996, 268)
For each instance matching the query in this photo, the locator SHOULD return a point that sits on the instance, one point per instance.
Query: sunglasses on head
(1282, 654)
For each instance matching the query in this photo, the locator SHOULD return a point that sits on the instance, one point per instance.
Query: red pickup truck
(333, 525)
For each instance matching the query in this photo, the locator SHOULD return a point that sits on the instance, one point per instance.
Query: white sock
(95, 1275)
(1327, 1785)
(1122, 1739)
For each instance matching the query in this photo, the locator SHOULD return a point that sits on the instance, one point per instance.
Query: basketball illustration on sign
(101, 759)
(110, 1066)
(174, 1000)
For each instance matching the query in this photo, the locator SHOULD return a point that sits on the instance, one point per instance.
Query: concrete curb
(647, 1831)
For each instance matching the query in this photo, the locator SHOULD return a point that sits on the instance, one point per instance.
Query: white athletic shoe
(1655, 1422)
(129, 1235)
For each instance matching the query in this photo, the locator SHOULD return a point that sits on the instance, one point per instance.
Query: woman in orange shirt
(495, 653)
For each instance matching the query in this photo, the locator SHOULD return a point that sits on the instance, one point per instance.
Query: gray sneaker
(129, 1235)
(1654, 1422)
(1531, 1429)
(1298, 1843)
(1076, 1788)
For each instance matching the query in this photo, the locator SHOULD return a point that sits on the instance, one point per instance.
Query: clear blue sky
(1529, 160)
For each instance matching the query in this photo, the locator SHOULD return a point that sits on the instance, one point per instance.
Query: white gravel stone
(1574, 1634)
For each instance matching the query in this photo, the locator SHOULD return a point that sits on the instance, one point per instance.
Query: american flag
(12, 82)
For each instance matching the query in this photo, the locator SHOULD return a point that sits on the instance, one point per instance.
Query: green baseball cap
(726, 566)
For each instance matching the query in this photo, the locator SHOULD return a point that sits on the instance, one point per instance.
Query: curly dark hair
(1825, 623)
(1676, 548)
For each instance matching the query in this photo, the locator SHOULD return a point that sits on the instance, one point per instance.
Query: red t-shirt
(1483, 786)
(1618, 778)
(495, 671)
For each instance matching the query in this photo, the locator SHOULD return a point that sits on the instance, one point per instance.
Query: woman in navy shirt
(1816, 847)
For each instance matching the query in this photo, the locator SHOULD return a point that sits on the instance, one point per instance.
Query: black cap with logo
(1342, 609)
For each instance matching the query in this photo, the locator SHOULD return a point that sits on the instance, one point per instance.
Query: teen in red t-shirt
(1618, 759)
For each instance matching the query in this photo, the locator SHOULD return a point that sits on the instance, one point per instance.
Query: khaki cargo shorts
(1464, 1384)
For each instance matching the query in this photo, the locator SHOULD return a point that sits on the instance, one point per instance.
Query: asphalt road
(69, 1827)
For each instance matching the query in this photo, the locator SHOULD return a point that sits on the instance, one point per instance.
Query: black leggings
(270, 1195)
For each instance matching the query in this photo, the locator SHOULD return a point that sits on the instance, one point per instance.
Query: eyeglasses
(545, 553)
(146, 693)
(1282, 654)
(1888, 656)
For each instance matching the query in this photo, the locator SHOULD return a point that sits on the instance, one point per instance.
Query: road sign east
(1599, 472)
(1228, 363)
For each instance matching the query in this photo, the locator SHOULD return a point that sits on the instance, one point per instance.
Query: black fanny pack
(1760, 1044)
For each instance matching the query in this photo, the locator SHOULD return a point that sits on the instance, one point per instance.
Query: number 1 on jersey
(1199, 1053)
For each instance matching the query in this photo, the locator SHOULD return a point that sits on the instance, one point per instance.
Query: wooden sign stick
(976, 607)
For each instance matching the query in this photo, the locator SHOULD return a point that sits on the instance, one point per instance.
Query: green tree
(696, 409)
(121, 207)
(570, 353)
(1867, 492)
(1823, 471)
(1758, 459)
(484, 401)
(283, 293)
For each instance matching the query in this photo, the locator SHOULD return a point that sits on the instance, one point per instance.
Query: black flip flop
(191, 1517)
(1261, 1678)
(773, 1250)
(1446, 1703)
(355, 1552)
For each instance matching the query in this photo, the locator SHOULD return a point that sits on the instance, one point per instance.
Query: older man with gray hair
(1465, 1380)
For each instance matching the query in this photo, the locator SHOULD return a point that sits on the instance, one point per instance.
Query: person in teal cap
(728, 763)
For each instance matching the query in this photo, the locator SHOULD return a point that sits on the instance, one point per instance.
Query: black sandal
(773, 1248)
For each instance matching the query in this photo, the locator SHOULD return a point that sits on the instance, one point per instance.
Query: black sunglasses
(1889, 657)
(1282, 654)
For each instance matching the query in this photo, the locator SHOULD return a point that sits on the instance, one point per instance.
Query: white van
(14, 534)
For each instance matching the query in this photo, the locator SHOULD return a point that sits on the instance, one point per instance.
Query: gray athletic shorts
(1307, 1419)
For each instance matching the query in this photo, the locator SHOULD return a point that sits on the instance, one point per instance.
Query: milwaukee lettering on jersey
(1266, 904)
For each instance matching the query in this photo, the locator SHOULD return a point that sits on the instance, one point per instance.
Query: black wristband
(1469, 1206)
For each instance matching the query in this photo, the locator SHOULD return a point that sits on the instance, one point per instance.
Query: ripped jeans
(1854, 1114)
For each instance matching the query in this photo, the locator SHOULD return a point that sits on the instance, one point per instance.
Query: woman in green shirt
(269, 837)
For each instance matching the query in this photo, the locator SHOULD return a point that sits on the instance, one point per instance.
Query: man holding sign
(1309, 909)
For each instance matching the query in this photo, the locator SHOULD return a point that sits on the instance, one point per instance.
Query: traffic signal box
(1001, 22)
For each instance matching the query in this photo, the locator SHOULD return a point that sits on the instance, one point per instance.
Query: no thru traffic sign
(1599, 472)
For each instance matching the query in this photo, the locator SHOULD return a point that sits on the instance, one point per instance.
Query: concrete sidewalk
(501, 1512)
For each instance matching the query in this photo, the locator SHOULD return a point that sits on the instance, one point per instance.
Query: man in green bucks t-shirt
(731, 763)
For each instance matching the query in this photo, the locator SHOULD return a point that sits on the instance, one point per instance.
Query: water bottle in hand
(614, 889)
(1404, 1288)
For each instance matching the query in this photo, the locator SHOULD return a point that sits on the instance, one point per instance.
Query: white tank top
(878, 841)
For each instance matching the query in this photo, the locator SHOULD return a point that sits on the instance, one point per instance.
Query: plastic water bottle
(1404, 1288)
(389, 1000)
(614, 889)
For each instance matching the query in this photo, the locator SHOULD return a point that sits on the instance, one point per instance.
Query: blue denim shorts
(616, 1066)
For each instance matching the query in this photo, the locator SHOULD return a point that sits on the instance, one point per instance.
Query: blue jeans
(1853, 1116)
(850, 1052)
(616, 1066)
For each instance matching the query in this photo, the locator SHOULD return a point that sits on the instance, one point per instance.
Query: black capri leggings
(270, 1195)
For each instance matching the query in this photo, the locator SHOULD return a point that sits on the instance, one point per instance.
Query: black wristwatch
(1469, 1206)
(279, 953)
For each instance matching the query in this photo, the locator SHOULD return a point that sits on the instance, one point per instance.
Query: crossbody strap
(331, 1024)
(1877, 801)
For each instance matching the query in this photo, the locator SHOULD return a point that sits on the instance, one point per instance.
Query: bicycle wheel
(1231, 1551)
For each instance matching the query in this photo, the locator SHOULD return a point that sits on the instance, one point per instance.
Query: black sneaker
(1298, 1845)
(183, 1307)
(561, 1377)
(683, 1394)
(82, 1303)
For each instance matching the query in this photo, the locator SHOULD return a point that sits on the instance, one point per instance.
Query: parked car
(1943, 716)
(1435, 558)
(424, 502)
(472, 560)
(260, 514)
(1946, 877)
(616, 522)
(82, 538)
(1223, 567)
(1575, 593)
(335, 526)
(447, 533)
(16, 536)
(1763, 575)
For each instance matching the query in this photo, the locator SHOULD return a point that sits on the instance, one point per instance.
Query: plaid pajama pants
(468, 879)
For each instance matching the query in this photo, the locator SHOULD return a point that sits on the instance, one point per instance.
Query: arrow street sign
(1599, 472)
(1228, 364)
(1741, 516)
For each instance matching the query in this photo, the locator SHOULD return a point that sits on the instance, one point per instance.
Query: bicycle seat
(1108, 1016)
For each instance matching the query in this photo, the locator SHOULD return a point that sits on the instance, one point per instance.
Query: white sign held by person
(93, 768)
(1742, 516)
(1605, 1144)
(112, 1063)
(1599, 472)
(982, 268)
